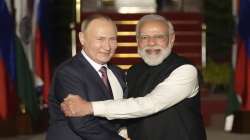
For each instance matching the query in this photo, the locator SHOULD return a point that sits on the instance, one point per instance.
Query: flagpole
(234, 46)
(203, 46)
(73, 26)
(73, 39)
(78, 11)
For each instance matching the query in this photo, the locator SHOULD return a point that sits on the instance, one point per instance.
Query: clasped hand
(75, 106)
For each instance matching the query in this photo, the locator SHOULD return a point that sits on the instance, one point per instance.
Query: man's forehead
(154, 23)
(153, 26)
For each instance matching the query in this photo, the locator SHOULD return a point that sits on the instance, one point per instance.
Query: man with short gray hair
(90, 76)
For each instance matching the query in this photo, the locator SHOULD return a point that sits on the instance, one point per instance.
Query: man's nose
(151, 41)
(107, 45)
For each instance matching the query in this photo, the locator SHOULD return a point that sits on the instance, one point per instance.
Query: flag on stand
(240, 98)
(242, 71)
(7, 62)
(42, 44)
(24, 53)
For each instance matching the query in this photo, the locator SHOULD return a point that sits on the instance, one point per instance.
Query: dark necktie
(105, 80)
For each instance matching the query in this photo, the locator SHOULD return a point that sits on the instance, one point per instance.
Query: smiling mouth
(105, 52)
(153, 51)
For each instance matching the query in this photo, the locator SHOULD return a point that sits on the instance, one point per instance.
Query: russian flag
(3, 89)
(42, 43)
(7, 63)
(242, 71)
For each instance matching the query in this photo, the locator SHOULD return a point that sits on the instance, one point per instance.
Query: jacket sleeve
(87, 127)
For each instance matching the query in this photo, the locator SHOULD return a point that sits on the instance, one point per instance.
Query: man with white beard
(164, 99)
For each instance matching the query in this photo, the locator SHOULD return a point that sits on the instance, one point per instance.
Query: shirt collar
(95, 65)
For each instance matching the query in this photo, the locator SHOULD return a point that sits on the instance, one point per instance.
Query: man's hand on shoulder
(75, 106)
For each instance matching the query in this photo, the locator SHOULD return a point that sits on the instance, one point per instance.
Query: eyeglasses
(159, 37)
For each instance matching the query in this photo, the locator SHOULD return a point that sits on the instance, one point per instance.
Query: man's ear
(172, 38)
(81, 38)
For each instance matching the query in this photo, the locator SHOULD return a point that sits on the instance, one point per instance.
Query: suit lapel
(92, 76)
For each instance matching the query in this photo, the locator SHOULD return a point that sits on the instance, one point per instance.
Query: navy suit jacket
(77, 76)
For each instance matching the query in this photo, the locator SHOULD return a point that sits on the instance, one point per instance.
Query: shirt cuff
(98, 108)
(123, 132)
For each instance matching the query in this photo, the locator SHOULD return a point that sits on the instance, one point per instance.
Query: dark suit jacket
(77, 76)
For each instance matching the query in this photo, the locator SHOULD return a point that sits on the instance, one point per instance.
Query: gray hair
(154, 17)
(91, 18)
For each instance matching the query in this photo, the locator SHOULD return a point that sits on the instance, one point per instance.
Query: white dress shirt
(182, 83)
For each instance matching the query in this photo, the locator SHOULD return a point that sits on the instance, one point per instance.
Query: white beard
(154, 59)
